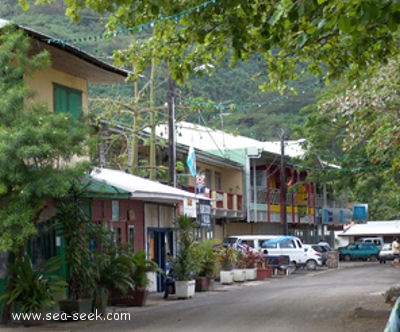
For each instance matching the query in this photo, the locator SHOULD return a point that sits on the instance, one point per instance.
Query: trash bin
(332, 261)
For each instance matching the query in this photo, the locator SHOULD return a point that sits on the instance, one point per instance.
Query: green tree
(35, 145)
(356, 127)
(335, 37)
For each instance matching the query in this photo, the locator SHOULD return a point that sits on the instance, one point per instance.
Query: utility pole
(171, 133)
(283, 184)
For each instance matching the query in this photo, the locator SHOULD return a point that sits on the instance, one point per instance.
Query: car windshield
(230, 240)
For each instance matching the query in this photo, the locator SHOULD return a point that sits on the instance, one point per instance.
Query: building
(266, 170)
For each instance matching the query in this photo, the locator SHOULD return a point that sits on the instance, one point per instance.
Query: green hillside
(229, 99)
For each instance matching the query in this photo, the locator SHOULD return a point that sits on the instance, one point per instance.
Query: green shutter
(60, 99)
(67, 100)
(75, 103)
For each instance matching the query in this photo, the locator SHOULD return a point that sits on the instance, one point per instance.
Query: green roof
(95, 188)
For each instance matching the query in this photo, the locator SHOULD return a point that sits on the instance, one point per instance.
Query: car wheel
(311, 265)
(347, 258)
(373, 258)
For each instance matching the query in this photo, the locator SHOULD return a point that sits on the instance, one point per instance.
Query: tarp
(141, 188)
(278, 239)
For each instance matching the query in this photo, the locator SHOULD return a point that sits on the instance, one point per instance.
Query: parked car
(359, 251)
(386, 254)
(289, 246)
(314, 257)
(323, 250)
(253, 241)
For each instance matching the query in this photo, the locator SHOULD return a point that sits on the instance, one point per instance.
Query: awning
(140, 188)
(91, 187)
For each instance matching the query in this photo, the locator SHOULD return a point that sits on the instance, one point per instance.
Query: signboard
(189, 208)
(360, 211)
(205, 213)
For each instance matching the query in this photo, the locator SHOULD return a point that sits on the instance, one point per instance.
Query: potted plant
(185, 263)
(81, 272)
(227, 260)
(239, 272)
(253, 259)
(136, 294)
(208, 265)
(113, 269)
(33, 289)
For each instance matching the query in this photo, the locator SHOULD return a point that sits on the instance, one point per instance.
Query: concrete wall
(42, 84)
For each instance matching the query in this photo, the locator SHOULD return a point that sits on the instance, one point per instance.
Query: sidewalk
(154, 300)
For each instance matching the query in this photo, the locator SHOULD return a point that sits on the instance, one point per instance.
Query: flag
(191, 161)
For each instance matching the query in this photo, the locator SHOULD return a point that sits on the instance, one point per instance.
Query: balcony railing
(226, 201)
(223, 200)
(291, 198)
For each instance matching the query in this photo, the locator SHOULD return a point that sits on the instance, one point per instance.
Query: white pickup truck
(290, 246)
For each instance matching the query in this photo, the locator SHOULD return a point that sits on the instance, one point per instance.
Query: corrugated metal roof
(141, 188)
(72, 60)
(373, 228)
(207, 139)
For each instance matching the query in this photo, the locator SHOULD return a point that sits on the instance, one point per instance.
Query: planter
(71, 307)
(204, 284)
(264, 273)
(226, 277)
(185, 289)
(133, 297)
(251, 274)
(239, 275)
(100, 301)
(152, 278)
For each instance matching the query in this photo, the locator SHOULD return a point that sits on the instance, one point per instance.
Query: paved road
(347, 299)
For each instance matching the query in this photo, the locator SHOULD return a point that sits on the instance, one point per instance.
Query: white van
(253, 241)
(286, 245)
(378, 241)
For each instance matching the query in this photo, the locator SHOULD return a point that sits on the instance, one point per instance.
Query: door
(160, 244)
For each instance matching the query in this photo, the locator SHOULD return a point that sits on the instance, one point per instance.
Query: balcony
(223, 204)
(291, 198)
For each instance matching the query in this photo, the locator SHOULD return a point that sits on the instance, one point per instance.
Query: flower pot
(76, 307)
(264, 273)
(133, 297)
(251, 274)
(226, 277)
(239, 275)
(100, 301)
(185, 289)
(204, 284)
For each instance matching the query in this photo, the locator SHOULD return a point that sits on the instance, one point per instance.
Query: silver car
(385, 254)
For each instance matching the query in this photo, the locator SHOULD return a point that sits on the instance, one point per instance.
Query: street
(323, 300)
(330, 300)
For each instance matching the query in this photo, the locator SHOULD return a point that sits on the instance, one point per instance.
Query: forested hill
(241, 106)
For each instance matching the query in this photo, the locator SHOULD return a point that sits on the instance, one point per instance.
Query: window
(131, 237)
(208, 180)
(67, 100)
(114, 210)
(218, 181)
